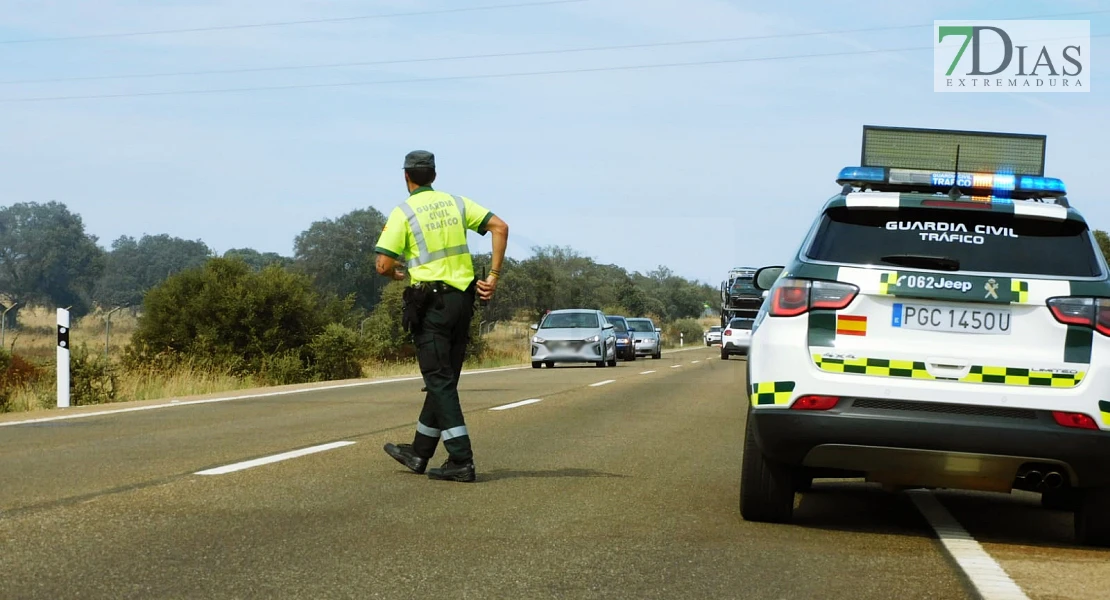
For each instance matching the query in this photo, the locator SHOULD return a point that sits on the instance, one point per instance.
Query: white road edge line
(647, 372)
(601, 383)
(173, 403)
(247, 464)
(988, 577)
(675, 366)
(516, 404)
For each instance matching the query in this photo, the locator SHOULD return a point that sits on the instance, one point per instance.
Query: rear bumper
(737, 345)
(584, 352)
(915, 444)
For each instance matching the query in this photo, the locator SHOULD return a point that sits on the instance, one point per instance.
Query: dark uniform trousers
(440, 350)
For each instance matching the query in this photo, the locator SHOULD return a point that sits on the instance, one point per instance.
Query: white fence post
(681, 341)
(63, 358)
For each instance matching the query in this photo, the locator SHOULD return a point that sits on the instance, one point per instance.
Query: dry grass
(506, 345)
(36, 338)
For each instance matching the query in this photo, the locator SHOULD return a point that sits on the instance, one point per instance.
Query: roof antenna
(954, 192)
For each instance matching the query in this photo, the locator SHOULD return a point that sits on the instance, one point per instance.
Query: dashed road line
(694, 362)
(675, 366)
(647, 373)
(601, 383)
(516, 404)
(239, 466)
(988, 577)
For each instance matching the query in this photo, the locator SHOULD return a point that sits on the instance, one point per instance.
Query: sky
(698, 168)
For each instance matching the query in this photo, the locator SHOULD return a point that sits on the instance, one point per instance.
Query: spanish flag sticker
(851, 325)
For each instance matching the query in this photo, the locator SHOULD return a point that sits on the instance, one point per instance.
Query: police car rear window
(985, 241)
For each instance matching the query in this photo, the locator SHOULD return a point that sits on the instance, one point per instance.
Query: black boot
(453, 471)
(404, 454)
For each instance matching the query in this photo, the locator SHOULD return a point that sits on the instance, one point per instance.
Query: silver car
(645, 336)
(574, 335)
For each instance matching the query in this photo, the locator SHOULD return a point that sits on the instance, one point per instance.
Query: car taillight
(793, 297)
(728, 332)
(1074, 420)
(815, 403)
(1093, 313)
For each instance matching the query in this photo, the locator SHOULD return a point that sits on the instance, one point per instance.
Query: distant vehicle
(737, 337)
(625, 348)
(646, 338)
(739, 296)
(713, 336)
(574, 335)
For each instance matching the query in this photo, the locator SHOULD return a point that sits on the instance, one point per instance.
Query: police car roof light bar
(1001, 185)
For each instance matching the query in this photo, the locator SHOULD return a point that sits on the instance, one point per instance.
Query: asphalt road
(628, 489)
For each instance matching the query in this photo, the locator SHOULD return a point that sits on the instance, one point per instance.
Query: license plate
(945, 318)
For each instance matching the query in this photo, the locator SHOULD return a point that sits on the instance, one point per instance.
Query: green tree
(259, 260)
(135, 266)
(47, 258)
(225, 313)
(339, 256)
(1103, 242)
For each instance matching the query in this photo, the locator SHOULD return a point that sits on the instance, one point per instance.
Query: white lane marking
(988, 577)
(516, 404)
(601, 383)
(173, 403)
(675, 366)
(647, 373)
(239, 466)
(694, 362)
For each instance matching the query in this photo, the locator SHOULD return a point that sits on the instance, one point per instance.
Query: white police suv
(937, 328)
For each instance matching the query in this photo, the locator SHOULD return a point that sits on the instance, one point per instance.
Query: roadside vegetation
(185, 320)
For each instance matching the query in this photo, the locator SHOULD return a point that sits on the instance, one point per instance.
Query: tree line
(47, 258)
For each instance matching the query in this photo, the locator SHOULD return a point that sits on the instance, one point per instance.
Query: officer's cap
(420, 159)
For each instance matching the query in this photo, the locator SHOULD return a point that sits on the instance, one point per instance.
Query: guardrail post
(63, 358)
(680, 339)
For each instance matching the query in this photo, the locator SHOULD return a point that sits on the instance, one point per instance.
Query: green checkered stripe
(1019, 291)
(771, 392)
(881, 367)
(1104, 408)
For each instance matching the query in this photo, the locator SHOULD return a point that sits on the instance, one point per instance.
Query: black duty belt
(437, 287)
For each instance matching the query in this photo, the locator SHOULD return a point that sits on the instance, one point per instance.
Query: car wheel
(658, 354)
(549, 364)
(599, 363)
(724, 354)
(536, 364)
(613, 362)
(1092, 518)
(766, 487)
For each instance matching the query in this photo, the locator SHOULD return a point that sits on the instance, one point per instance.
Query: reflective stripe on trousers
(423, 255)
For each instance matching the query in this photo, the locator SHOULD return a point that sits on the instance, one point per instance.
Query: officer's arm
(500, 231)
(391, 246)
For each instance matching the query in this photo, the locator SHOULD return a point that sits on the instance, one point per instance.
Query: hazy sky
(699, 168)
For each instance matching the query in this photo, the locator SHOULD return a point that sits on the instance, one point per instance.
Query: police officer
(426, 235)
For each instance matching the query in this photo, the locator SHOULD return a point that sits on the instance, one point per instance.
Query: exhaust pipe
(1053, 480)
(1033, 479)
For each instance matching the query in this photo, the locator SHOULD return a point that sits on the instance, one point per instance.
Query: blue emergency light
(921, 180)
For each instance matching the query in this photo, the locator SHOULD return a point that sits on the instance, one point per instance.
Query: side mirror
(765, 292)
(766, 277)
(607, 326)
(535, 327)
(657, 330)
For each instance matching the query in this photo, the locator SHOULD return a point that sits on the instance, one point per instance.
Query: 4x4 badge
(992, 289)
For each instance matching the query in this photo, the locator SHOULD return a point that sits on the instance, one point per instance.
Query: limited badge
(992, 289)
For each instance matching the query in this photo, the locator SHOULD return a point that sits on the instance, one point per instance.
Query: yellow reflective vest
(428, 233)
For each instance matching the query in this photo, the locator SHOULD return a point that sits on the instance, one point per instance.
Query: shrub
(384, 338)
(336, 353)
(92, 377)
(226, 313)
(690, 329)
(15, 373)
(283, 369)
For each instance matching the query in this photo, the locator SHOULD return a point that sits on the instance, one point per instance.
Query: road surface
(611, 483)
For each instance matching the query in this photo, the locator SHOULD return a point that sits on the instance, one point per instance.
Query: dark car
(625, 348)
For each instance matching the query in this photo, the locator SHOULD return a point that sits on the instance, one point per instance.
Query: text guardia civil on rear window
(1012, 56)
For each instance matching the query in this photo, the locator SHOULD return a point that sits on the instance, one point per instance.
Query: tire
(766, 488)
(631, 354)
(600, 363)
(658, 354)
(549, 364)
(613, 362)
(536, 364)
(724, 354)
(1092, 518)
